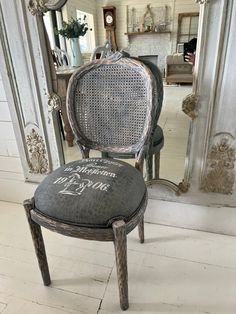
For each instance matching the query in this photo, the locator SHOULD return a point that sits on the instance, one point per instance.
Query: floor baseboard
(210, 219)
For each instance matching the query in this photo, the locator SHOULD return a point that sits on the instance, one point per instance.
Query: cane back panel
(110, 104)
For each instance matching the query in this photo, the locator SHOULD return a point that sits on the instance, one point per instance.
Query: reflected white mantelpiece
(215, 66)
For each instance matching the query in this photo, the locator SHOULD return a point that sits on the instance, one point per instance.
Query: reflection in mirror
(161, 44)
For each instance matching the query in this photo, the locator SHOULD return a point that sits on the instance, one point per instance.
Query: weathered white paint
(8, 147)
(12, 181)
(27, 83)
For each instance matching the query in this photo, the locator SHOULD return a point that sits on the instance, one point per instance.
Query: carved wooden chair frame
(119, 229)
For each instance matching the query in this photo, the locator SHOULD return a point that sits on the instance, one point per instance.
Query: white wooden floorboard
(174, 271)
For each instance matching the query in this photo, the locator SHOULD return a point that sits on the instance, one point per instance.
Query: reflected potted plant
(72, 30)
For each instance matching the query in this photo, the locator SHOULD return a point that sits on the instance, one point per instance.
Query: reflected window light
(47, 18)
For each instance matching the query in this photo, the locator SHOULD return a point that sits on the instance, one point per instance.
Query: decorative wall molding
(220, 174)
(184, 186)
(37, 7)
(189, 106)
(54, 102)
(38, 162)
(202, 1)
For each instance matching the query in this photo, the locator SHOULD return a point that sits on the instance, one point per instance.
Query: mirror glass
(162, 43)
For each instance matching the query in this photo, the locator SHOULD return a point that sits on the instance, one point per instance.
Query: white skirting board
(16, 191)
(211, 219)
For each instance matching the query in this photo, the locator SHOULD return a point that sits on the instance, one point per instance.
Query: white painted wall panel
(9, 155)
(4, 111)
(2, 92)
(12, 149)
(6, 131)
(10, 164)
(3, 149)
(9, 148)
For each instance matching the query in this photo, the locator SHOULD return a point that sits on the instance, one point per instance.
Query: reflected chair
(61, 58)
(101, 51)
(111, 104)
(157, 137)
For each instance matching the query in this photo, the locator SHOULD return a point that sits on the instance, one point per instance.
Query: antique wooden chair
(111, 105)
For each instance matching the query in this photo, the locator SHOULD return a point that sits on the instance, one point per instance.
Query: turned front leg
(38, 244)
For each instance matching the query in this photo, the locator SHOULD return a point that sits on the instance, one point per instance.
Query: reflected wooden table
(63, 77)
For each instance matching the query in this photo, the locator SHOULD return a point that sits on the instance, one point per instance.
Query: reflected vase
(76, 55)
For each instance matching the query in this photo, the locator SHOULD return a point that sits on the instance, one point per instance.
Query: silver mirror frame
(55, 4)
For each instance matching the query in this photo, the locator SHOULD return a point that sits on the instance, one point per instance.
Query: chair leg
(149, 165)
(120, 244)
(38, 244)
(157, 165)
(141, 230)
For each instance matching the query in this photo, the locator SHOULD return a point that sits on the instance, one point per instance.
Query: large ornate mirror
(208, 167)
(159, 43)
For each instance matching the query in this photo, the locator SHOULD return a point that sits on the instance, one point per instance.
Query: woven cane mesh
(111, 102)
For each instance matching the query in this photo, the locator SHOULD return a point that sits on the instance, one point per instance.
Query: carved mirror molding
(38, 7)
(215, 101)
(34, 125)
(219, 176)
(202, 1)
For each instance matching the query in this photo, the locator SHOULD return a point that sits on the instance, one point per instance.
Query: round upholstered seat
(91, 192)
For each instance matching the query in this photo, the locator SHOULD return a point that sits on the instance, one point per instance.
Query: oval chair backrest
(111, 104)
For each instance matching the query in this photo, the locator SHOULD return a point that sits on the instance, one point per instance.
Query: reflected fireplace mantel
(147, 33)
